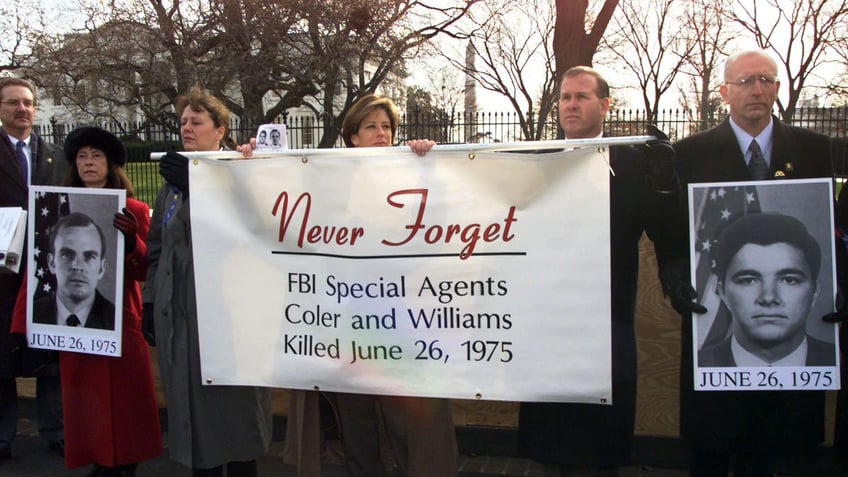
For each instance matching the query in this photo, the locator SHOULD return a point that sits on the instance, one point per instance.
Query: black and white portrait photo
(75, 270)
(764, 269)
(271, 137)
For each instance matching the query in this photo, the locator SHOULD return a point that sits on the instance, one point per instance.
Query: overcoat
(109, 403)
(49, 169)
(208, 426)
(595, 434)
(733, 421)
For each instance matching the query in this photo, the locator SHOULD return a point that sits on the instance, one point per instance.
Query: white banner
(462, 274)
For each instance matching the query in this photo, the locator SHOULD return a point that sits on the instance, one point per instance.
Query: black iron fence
(482, 127)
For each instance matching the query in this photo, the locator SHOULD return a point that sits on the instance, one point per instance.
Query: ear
(354, 138)
(722, 91)
(102, 268)
(51, 263)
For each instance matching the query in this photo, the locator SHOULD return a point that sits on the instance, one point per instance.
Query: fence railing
(305, 131)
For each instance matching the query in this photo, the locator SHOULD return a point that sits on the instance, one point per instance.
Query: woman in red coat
(109, 404)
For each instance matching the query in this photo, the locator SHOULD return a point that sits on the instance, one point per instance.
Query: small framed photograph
(271, 137)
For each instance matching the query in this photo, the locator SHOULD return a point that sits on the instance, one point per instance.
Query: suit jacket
(101, 316)
(819, 353)
(48, 168)
(732, 421)
(597, 435)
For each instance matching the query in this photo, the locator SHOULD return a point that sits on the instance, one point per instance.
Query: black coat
(593, 434)
(734, 421)
(49, 169)
(101, 316)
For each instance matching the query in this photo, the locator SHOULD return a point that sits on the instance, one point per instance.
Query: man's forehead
(15, 91)
(582, 83)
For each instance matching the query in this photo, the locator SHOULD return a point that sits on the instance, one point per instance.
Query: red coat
(109, 404)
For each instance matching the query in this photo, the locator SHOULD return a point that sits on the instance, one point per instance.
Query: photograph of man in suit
(768, 278)
(275, 138)
(77, 259)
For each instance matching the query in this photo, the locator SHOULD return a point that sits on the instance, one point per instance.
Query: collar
(744, 358)
(82, 313)
(764, 139)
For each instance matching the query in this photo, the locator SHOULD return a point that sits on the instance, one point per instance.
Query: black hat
(97, 138)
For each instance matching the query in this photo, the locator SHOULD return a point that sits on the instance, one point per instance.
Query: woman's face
(199, 132)
(92, 166)
(375, 130)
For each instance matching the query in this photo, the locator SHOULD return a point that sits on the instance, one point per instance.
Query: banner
(464, 274)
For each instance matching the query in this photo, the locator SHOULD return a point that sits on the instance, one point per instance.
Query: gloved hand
(20, 340)
(677, 287)
(661, 161)
(841, 313)
(147, 326)
(128, 225)
(173, 167)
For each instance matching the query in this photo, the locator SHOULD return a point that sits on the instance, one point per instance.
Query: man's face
(262, 136)
(581, 111)
(750, 103)
(77, 263)
(17, 110)
(275, 137)
(769, 291)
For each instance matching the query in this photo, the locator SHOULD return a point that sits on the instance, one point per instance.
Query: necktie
(23, 163)
(72, 320)
(757, 168)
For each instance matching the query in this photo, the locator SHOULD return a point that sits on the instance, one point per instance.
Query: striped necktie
(23, 163)
(757, 167)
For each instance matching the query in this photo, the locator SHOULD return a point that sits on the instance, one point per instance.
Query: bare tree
(576, 34)
(706, 28)
(261, 56)
(649, 42)
(801, 34)
(512, 45)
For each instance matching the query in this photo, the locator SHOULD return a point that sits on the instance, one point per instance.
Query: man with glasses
(25, 159)
(745, 428)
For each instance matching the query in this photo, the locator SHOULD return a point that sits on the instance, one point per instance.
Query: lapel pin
(789, 167)
(779, 174)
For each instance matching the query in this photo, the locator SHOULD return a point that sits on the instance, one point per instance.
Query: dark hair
(116, 157)
(18, 82)
(76, 219)
(199, 100)
(603, 90)
(765, 229)
(363, 107)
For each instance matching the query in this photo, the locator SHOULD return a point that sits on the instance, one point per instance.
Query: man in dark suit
(751, 427)
(768, 267)
(32, 162)
(643, 192)
(77, 259)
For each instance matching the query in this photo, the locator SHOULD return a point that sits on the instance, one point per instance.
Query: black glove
(128, 225)
(173, 167)
(675, 283)
(660, 155)
(841, 313)
(147, 327)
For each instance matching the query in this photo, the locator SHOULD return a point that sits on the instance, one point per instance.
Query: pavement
(31, 457)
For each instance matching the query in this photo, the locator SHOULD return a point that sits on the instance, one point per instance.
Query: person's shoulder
(701, 137)
(801, 134)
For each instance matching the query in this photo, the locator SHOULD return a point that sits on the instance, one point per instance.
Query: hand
(128, 225)
(246, 150)
(841, 313)
(20, 340)
(681, 296)
(147, 326)
(661, 161)
(420, 146)
(674, 277)
(173, 167)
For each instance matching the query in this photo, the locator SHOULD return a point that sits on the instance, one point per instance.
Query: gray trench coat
(208, 426)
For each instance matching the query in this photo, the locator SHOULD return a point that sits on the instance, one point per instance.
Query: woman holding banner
(420, 430)
(109, 404)
(209, 426)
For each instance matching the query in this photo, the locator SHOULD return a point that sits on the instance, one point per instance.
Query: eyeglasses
(28, 103)
(748, 81)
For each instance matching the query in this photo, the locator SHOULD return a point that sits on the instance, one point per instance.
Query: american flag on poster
(719, 206)
(49, 207)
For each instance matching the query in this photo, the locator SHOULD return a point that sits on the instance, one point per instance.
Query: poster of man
(276, 134)
(764, 268)
(74, 270)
